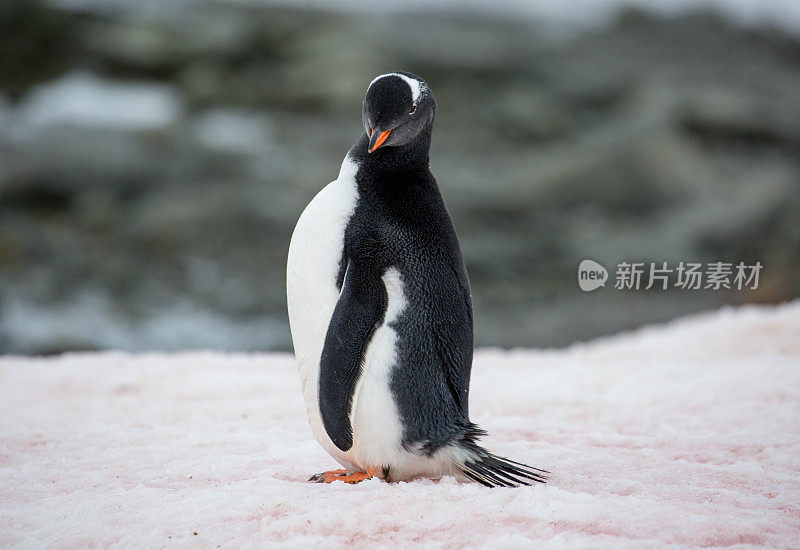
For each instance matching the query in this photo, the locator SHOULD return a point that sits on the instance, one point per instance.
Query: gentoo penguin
(381, 311)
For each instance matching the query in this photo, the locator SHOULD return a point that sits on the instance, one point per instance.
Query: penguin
(380, 309)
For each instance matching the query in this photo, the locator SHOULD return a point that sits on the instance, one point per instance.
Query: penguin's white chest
(313, 266)
(315, 253)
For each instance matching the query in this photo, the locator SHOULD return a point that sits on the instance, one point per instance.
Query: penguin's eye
(414, 108)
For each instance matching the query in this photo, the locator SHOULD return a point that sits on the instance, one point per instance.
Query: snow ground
(682, 435)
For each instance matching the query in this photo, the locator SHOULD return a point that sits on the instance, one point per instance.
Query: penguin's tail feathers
(478, 464)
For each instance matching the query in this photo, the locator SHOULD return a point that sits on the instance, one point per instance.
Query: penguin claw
(348, 476)
(329, 476)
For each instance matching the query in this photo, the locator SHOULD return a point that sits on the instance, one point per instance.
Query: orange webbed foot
(348, 476)
(327, 477)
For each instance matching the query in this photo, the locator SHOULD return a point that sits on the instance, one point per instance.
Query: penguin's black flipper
(492, 470)
(358, 313)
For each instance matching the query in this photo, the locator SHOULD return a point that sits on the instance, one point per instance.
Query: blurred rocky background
(154, 157)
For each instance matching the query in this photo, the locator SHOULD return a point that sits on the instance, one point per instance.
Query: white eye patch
(416, 88)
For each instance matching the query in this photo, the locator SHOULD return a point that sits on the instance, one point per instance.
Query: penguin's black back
(401, 221)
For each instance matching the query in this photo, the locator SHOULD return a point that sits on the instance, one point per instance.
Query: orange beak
(376, 140)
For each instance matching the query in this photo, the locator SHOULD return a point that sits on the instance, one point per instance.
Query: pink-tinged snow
(683, 435)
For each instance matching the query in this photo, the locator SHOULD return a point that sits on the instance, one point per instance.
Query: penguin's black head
(398, 107)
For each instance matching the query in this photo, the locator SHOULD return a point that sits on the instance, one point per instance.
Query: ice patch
(88, 320)
(82, 99)
(234, 131)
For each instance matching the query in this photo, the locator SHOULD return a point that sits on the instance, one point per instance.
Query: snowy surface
(683, 435)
